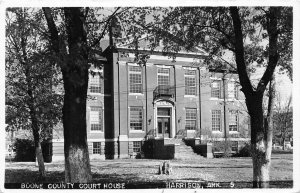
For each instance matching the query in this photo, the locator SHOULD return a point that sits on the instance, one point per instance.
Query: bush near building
(25, 151)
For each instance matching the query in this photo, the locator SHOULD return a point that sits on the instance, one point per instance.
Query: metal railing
(162, 91)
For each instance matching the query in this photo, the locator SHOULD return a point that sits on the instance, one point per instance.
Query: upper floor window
(216, 120)
(232, 90)
(136, 118)
(96, 83)
(135, 79)
(163, 76)
(190, 82)
(233, 120)
(216, 89)
(96, 117)
(190, 118)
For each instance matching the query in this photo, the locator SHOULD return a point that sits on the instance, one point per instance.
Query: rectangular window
(216, 120)
(236, 91)
(135, 79)
(96, 117)
(190, 82)
(137, 146)
(216, 89)
(233, 120)
(136, 118)
(234, 146)
(190, 119)
(163, 76)
(96, 147)
(232, 90)
(95, 83)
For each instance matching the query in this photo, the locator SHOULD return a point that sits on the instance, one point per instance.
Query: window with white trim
(137, 146)
(136, 118)
(234, 146)
(216, 89)
(216, 120)
(96, 117)
(190, 118)
(163, 76)
(135, 79)
(190, 82)
(232, 90)
(95, 83)
(96, 147)
(233, 120)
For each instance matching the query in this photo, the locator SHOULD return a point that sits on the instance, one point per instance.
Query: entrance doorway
(164, 122)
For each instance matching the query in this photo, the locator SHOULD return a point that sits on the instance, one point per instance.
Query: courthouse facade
(130, 103)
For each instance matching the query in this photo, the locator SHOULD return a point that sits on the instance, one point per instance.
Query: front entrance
(164, 122)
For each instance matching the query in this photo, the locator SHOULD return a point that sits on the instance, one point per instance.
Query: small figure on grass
(165, 168)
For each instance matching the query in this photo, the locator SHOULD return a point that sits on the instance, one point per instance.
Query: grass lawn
(144, 171)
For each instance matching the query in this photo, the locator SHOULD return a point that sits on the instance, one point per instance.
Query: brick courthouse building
(148, 109)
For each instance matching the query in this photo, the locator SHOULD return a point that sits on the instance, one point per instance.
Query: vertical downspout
(119, 106)
(200, 110)
(175, 110)
(119, 97)
(127, 99)
(224, 96)
(146, 94)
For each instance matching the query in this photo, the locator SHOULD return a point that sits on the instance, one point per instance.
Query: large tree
(74, 35)
(30, 101)
(254, 36)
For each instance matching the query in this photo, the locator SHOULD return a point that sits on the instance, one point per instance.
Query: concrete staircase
(183, 151)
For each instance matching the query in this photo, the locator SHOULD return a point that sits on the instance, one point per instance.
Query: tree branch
(105, 27)
(273, 53)
(52, 29)
(239, 52)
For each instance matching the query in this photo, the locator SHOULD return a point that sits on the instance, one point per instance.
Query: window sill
(191, 96)
(95, 93)
(96, 132)
(137, 94)
(137, 131)
(217, 131)
(216, 99)
(191, 131)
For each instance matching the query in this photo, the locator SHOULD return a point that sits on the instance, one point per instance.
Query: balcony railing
(164, 91)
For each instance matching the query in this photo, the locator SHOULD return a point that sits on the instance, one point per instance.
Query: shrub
(244, 151)
(222, 146)
(25, 150)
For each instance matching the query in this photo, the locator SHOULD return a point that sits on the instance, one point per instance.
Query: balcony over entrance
(164, 91)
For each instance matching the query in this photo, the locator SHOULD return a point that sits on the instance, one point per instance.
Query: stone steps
(182, 151)
(185, 152)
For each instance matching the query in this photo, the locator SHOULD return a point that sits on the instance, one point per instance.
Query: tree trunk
(75, 76)
(37, 142)
(40, 159)
(261, 138)
(259, 143)
(77, 163)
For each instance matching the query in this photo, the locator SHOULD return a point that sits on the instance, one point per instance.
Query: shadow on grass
(205, 167)
(29, 176)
